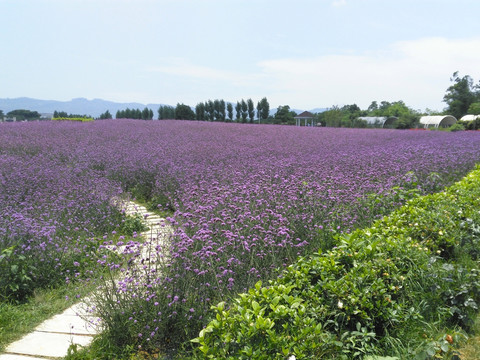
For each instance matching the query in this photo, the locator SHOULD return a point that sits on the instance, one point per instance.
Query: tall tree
(146, 114)
(230, 111)
(222, 110)
(264, 109)
(166, 112)
(105, 115)
(238, 111)
(251, 110)
(460, 95)
(209, 110)
(333, 117)
(216, 110)
(244, 111)
(200, 111)
(284, 115)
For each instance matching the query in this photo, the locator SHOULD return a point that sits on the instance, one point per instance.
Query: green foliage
(19, 319)
(251, 110)
(284, 115)
(133, 224)
(263, 109)
(64, 115)
(456, 127)
(24, 114)
(106, 115)
(184, 112)
(371, 295)
(230, 111)
(470, 125)
(474, 108)
(166, 112)
(16, 282)
(145, 114)
(461, 95)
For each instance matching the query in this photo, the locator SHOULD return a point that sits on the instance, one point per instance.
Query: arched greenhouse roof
(470, 117)
(380, 121)
(437, 121)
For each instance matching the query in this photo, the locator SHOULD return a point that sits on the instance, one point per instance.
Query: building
(307, 117)
(470, 117)
(379, 121)
(436, 121)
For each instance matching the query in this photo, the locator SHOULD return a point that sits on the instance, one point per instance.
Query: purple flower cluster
(244, 200)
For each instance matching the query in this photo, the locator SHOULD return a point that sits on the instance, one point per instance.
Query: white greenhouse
(470, 117)
(437, 121)
(379, 121)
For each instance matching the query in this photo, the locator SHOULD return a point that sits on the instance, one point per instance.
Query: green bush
(385, 290)
(456, 127)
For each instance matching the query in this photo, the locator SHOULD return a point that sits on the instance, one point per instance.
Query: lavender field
(244, 200)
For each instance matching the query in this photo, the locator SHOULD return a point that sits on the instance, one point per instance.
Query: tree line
(145, 114)
(462, 97)
(218, 110)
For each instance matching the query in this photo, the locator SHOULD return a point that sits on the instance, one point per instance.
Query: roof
(438, 120)
(470, 117)
(304, 115)
(378, 120)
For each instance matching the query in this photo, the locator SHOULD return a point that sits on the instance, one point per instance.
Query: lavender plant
(244, 200)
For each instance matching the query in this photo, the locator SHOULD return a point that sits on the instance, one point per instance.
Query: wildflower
(340, 304)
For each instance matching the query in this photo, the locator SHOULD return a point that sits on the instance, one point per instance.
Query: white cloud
(416, 72)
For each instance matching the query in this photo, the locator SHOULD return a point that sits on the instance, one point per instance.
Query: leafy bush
(456, 127)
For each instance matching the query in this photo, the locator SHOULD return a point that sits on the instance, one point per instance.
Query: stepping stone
(68, 324)
(46, 344)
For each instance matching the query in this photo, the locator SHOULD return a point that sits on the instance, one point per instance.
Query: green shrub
(456, 127)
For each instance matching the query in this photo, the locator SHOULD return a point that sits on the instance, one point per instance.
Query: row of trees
(348, 115)
(21, 114)
(146, 114)
(218, 110)
(64, 114)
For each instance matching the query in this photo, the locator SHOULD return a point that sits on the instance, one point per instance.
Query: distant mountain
(95, 107)
(79, 106)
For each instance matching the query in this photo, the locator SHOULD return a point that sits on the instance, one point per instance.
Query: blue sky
(304, 53)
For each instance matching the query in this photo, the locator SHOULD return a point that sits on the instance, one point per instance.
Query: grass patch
(20, 319)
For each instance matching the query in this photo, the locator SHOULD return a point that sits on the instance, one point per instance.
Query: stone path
(52, 338)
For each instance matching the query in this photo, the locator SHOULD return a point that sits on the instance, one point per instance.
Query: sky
(303, 53)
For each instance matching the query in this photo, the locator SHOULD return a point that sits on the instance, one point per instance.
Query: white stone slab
(68, 324)
(78, 309)
(47, 344)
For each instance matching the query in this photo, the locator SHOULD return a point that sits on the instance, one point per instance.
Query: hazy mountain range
(82, 106)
